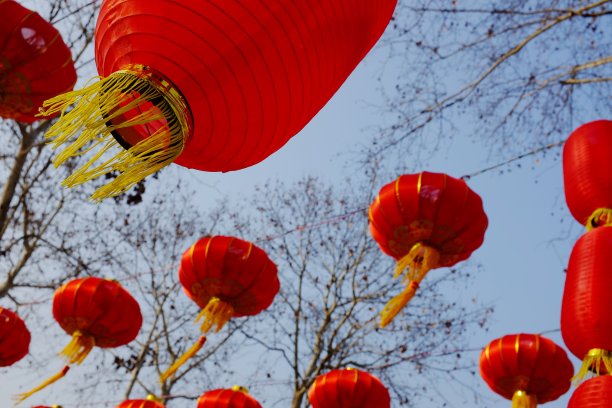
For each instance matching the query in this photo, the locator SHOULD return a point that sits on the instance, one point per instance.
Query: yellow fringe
(602, 217)
(592, 362)
(419, 260)
(521, 399)
(93, 109)
(79, 347)
(182, 360)
(216, 313)
(22, 397)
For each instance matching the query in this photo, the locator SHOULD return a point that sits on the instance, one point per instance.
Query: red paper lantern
(593, 393)
(224, 83)
(44, 406)
(35, 63)
(14, 338)
(348, 388)
(227, 277)
(587, 173)
(526, 368)
(236, 397)
(425, 221)
(95, 312)
(586, 321)
(150, 402)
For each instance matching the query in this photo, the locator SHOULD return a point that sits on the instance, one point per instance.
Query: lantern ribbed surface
(529, 363)
(348, 388)
(141, 404)
(14, 338)
(35, 63)
(593, 393)
(253, 73)
(586, 318)
(237, 397)
(587, 169)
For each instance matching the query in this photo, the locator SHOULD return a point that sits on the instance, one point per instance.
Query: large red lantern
(593, 393)
(14, 338)
(35, 63)
(150, 402)
(227, 277)
(96, 313)
(586, 321)
(587, 173)
(425, 221)
(526, 368)
(348, 388)
(236, 397)
(216, 85)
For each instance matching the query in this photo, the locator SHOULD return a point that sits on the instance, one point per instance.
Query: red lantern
(150, 402)
(95, 312)
(526, 368)
(593, 393)
(587, 173)
(14, 338)
(586, 321)
(348, 388)
(237, 397)
(224, 84)
(425, 221)
(227, 277)
(35, 63)
(44, 406)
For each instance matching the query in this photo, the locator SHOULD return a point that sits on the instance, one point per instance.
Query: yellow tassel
(602, 217)
(216, 313)
(79, 347)
(521, 399)
(22, 397)
(182, 360)
(592, 362)
(419, 260)
(96, 110)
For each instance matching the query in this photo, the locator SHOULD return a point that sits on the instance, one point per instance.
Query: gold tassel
(182, 360)
(94, 109)
(419, 260)
(22, 397)
(216, 313)
(602, 217)
(592, 362)
(79, 347)
(521, 399)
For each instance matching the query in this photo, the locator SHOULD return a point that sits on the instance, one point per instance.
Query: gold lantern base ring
(521, 399)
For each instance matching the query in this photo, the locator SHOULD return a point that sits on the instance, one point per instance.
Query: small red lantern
(95, 312)
(236, 397)
(587, 173)
(227, 277)
(14, 338)
(44, 406)
(586, 321)
(593, 393)
(348, 388)
(425, 221)
(216, 85)
(35, 63)
(150, 402)
(527, 368)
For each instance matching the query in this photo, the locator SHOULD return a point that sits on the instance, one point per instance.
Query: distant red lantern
(236, 397)
(586, 321)
(95, 312)
(526, 368)
(14, 338)
(261, 72)
(227, 277)
(150, 402)
(35, 63)
(587, 173)
(348, 388)
(425, 221)
(44, 406)
(593, 393)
